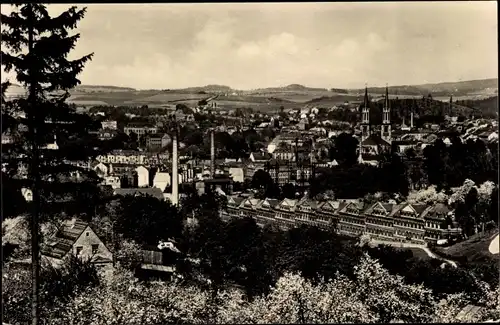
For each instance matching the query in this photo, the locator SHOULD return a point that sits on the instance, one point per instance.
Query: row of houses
(403, 222)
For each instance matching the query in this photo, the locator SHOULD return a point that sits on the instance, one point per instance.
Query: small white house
(101, 169)
(142, 176)
(237, 174)
(77, 238)
(161, 180)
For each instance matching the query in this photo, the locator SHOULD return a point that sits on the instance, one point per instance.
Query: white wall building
(142, 176)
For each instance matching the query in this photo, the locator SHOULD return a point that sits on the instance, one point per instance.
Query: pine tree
(35, 47)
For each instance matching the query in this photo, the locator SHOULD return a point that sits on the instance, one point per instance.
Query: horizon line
(291, 84)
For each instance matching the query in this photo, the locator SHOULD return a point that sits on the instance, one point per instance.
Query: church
(373, 145)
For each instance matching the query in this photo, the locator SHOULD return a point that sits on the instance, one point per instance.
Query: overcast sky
(248, 46)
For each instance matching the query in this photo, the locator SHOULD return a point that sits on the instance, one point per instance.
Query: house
(259, 157)
(157, 141)
(153, 191)
(161, 180)
(284, 152)
(403, 145)
(101, 169)
(158, 262)
(130, 157)
(237, 173)
(77, 238)
(142, 176)
(372, 148)
(140, 130)
(109, 125)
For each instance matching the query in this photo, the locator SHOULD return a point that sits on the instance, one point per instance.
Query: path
(494, 245)
(410, 245)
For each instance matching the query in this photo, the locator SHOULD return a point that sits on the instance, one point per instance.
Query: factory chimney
(411, 120)
(212, 154)
(175, 171)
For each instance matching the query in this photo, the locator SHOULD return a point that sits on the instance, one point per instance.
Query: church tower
(386, 118)
(365, 117)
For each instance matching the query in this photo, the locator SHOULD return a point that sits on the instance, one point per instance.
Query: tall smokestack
(175, 171)
(212, 154)
(411, 120)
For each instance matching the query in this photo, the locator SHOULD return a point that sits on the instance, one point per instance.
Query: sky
(248, 46)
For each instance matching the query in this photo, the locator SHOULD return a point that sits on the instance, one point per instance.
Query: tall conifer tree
(52, 144)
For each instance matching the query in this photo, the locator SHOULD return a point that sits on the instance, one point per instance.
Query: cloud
(259, 45)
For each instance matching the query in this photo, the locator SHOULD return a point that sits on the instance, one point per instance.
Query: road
(410, 245)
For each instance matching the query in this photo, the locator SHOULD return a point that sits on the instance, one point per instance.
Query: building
(154, 159)
(77, 238)
(140, 130)
(284, 151)
(129, 157)
(162, 180)
(157, 141)
(237, 173)
(142, 176)
(109, 125)
(259, 157)
(404, 222)
(373, 146)
(288, 171)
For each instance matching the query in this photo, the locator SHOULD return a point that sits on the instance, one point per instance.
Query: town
(214, 204)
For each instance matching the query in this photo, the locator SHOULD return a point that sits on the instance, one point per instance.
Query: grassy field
(270, 99)
(137, 97)
(293, 96)
(475, 248)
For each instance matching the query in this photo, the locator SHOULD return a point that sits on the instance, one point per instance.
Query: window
(95, 248)
(78, 250)
(87, 234)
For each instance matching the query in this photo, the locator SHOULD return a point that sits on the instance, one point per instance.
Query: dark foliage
(48, 76)
(358, 180)
(147, 220)
(449, 166)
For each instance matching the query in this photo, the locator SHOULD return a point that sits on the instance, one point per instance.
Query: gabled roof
(153, 191)
(308, 203)
(357, 205)
(438, 210)
(330, 205)
(273, 202)
(261, 156)
(238, 200)
(374, 140)
(288, 203)
(419, 209)
(268, 203)
(250, 203)
(64, 239)
(380, 206)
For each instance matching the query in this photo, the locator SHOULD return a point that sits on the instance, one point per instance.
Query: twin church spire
(385, 131)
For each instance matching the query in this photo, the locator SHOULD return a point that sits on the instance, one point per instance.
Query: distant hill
(484, 87)
(289, 88)
(100, 89)
(207, 89)
(293, 95)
